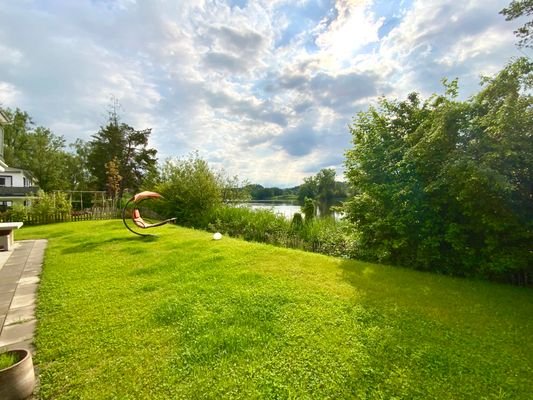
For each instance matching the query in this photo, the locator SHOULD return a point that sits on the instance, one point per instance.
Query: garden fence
(34, 219)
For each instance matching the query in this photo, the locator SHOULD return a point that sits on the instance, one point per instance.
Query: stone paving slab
(19, 315)
(23, 300)
(18, 332)
(19, 275)
(29, 288)
(8, 287)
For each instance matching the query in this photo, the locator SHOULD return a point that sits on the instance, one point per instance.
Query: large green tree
(44, 155)
(129, 147)
(36, 149)
(16, 135)
(77, 167)
(444, 184)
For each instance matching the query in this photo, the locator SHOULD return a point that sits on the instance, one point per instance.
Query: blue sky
(262, 89)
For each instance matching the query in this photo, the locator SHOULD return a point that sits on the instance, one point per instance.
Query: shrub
(46, 205)
(309, 209)
(18, 212)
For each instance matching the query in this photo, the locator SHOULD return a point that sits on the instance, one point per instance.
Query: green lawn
(183, 316)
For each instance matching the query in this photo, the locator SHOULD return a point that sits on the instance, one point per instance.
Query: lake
(287, 209)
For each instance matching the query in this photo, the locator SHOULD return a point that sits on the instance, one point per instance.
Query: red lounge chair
(136, 214)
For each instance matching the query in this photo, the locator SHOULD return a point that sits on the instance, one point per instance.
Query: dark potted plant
(17, 377)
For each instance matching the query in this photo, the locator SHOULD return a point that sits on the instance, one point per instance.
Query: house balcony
(14, 191)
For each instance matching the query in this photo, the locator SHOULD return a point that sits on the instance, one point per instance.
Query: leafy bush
(46, 205)
(445, 185)
(190, 189)
(18, 212)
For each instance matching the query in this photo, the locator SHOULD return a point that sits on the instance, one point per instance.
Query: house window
(6, 181)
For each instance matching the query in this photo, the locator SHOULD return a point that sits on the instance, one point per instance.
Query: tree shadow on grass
(88, 246)
(386, 282)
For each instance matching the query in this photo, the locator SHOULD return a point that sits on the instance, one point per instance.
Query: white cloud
(266, 89)
(353, 28)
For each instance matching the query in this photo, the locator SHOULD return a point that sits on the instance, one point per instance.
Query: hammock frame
(136, 214)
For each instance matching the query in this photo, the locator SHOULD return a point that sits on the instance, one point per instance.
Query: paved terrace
(20, 269)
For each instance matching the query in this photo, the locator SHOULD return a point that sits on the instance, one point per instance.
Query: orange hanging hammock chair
(136, 214)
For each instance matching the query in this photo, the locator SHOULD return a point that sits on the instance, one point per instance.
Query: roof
(19, 170)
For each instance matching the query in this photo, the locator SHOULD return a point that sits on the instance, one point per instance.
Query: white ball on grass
(217, 236)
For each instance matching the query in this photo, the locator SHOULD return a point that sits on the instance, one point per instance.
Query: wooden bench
(7, 236)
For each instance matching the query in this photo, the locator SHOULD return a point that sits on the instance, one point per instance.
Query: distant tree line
(322, 188)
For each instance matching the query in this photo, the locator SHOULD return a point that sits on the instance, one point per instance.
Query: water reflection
(285, 209)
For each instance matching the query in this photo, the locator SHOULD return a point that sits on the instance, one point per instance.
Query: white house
(15, 183)
(4, 120)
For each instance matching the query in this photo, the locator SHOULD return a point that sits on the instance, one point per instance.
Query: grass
(181, 316)
(8, 359)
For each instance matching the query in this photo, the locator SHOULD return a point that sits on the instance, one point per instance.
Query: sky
(264, 89)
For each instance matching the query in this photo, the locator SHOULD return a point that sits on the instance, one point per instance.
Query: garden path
(20, 269)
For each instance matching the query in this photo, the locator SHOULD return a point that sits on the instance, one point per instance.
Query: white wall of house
(3, 121)
(12, 177)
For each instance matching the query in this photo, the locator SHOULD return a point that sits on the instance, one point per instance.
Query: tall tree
(44, 155)
(325, 190)
(128, 146)
(113, 178)
(516, 9)
(77, 167)
(37, 150)
(15, 135)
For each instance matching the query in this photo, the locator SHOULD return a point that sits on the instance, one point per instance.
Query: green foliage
(308, 189)
(191, 190)
(517, 9)
(8, 359)
(309, 209)
(77, 166)
(45, 157)
(16, 135)
(258, 192)
(128, 146)
(323, 189)
(252, 225)
(232, 189)
(113, 178)
(19, 212)
(446, 185)
(187, 317)
(48, 204)
(37, 150)
(320, 235)
(297, 221)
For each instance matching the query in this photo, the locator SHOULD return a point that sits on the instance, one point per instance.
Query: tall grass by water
(320, 235)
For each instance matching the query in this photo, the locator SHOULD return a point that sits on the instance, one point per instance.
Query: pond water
(286, 209)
